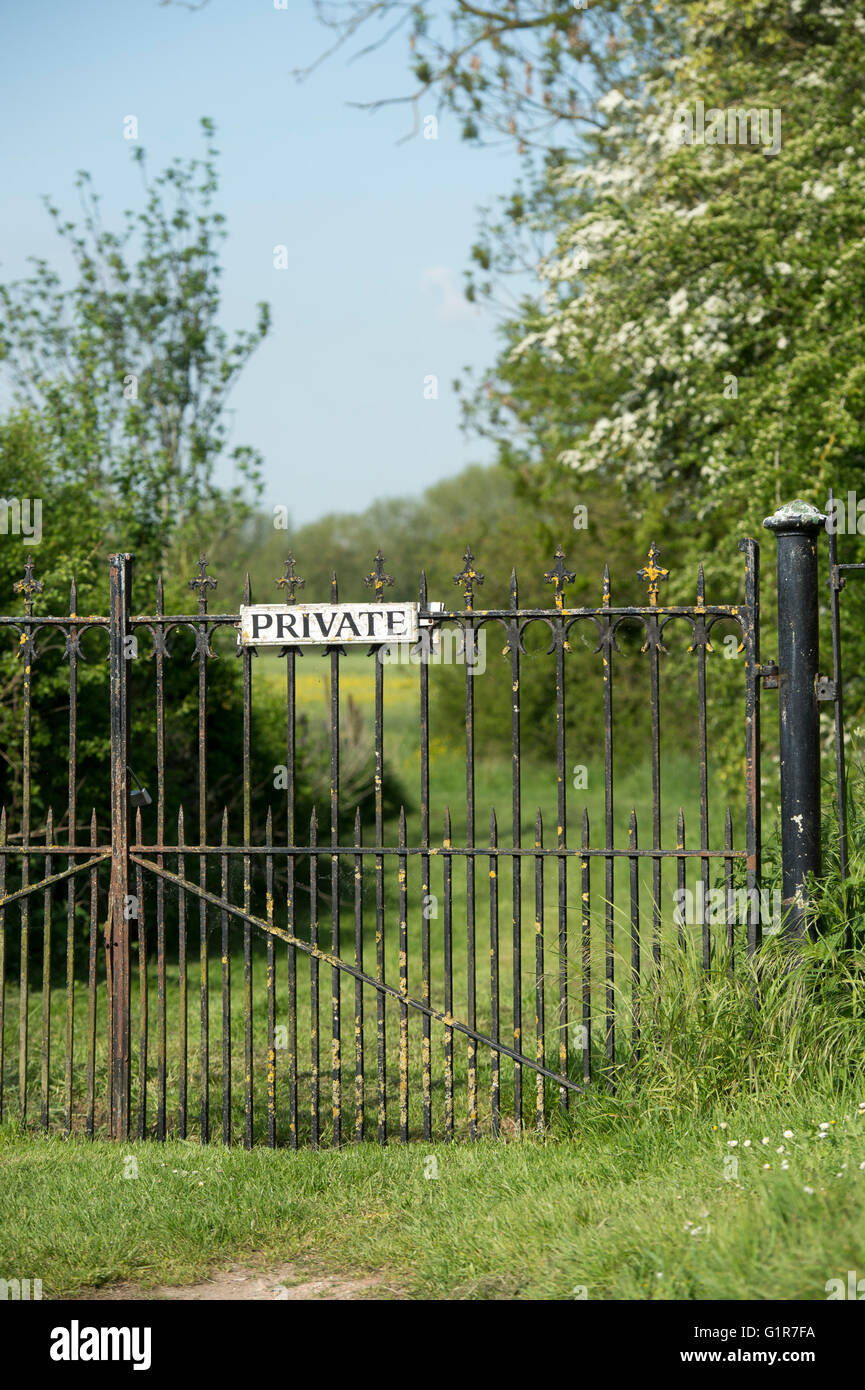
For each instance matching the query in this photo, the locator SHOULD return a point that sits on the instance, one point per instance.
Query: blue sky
(377, 232)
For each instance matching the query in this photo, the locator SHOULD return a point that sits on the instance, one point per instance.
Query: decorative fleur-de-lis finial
(28, 586)
(653, 574)
(202, 583)
(291, 580)
(560, 576)
(377, 579)
(469, 577)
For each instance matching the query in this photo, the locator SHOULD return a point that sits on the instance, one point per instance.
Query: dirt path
(237, 1284)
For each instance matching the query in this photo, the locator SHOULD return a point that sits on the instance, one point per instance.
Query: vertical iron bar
(161, 995)
(358, 985)
(203, 646)
(313, 980)
(335, 974)
(836, 583)
(609, 862)
(540, 1032)
(121, 649)
(426, 1039)
(796, 527)
(681, 869)
(271, 989)
(381, 1021)
(561, 842)
(704, 775)
(655, 660)
(142, 988)
(751, 643)
(402, 861)
(728, 890)
(182, 1026)
(469, 643)
(495, 1056)
(516, 837)
(634, 866)
(290, 891)
(46, 976)
(585, 898)
(447, 870)
(2, 958)
(226, 987)
(91, 988)
(72, 656)
(247, 887)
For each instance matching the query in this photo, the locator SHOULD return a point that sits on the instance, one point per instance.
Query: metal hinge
(768, 674)
(827, 689)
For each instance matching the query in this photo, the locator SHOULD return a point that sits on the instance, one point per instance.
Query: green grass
(634, 1204)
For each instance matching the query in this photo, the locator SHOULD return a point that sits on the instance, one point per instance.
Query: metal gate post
(796, 526)
(117, 931)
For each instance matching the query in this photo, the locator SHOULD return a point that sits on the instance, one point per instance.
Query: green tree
(129, 368)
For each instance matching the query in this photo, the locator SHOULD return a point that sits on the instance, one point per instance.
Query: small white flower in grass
(780, 1149)
(767, 1165)
(746, 1144)
(785, 1164)
(862, 1167)
(809, 1190)
(823, 1134)
(731, 1143)
(788, 1134)
(765, 1139)
(723, 1124)
(825, 1124)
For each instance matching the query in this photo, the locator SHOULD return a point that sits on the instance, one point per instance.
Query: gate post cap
(796, 516)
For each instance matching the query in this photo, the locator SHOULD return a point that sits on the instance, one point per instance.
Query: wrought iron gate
(569, 964)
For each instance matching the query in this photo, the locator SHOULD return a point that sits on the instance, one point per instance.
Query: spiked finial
(290, 580)
(560, 576)
(377, 579)
(202, 582)
(468, 578)
(653, 574)
(28, 586)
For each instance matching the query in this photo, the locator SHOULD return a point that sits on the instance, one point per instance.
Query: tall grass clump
(789, 1019)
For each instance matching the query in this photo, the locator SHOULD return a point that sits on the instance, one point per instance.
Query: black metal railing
(278, 898)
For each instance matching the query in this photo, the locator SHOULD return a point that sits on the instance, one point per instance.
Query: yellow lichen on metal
(653, 574)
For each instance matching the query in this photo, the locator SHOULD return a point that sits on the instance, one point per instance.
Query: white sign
(314, 624)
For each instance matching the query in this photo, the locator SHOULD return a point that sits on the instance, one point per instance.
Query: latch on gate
(827, 689)
(138, 795)
(768, 674)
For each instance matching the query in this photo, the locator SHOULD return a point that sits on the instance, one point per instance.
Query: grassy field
(632, 1204)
